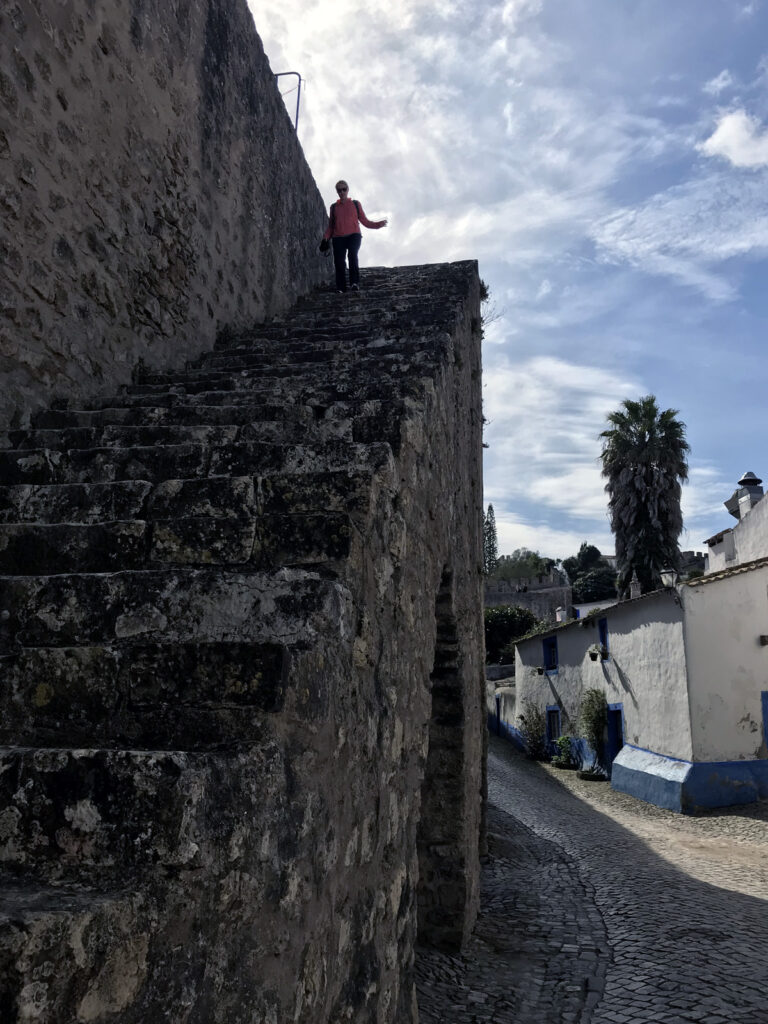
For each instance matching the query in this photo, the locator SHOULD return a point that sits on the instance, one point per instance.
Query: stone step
(372, 422)
(101, 465)
(249, 364)
(333, 456)
(222, 496)
(101, 816)
(267, 399)
(185, 461)
(326, 323)
(361, 347)
(284, 430)
(310, 394)
(270, 408)
(188, 697)
(114, 436)
(74, 503)
(255, 541)
(69, 946)
(179, 606)
(195, 415)
(233, 378)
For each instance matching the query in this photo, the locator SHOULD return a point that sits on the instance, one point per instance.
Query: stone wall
(152, 190)
(542, 597)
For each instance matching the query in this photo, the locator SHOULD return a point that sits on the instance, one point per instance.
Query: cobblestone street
(600, 909)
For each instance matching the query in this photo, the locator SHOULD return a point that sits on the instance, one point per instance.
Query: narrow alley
(600, 909)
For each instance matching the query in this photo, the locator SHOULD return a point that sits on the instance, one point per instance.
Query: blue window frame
(602, 632)
(549, 650)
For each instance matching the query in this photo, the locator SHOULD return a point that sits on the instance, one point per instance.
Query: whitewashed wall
(747, 540)
(645, 673)
(727, 667)
(722, 554)
(751, 534)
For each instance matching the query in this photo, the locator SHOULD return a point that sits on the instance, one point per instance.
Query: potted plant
(596, 651)
(564, 757)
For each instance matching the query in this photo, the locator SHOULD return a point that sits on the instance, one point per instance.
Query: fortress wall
(152, 191)
(245, 720)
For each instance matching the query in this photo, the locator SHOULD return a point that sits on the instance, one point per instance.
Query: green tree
(644, 459)
(522, 564)
(490, 542)
(503, 625)
(597, 584)
(588, 557)
(591, 577)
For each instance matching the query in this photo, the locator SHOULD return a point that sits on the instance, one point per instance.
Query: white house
(685, 674)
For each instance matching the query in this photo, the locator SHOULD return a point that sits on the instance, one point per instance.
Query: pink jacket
(345, 219)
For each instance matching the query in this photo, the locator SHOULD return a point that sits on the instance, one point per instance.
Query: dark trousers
(341, 246)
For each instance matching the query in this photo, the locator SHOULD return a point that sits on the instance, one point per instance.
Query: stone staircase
(185, 574)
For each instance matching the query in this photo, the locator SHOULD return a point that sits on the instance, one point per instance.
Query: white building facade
(685, 676)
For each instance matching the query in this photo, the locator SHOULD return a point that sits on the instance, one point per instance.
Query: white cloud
(740, 139)
(719, 83)
(514, 11)
(704, 495)
(542, 469)
(455, 128)
(548, 540)
(686, 231)
(485, 131)
(544, 416)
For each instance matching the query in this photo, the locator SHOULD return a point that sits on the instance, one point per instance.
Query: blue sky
(606, 162)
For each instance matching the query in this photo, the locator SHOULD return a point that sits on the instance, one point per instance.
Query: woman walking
(344, 232)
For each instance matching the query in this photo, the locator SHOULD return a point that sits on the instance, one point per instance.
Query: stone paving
(600, 909)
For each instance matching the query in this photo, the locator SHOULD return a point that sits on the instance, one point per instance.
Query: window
(553, 723)
(549, 645)
(602, 631)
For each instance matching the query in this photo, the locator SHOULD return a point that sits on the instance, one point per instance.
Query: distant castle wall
(152, 191)
(542, 595)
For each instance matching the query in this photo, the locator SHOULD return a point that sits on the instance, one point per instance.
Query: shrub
(593, 715)
(533, 730)
(564, 757)
(503, 625)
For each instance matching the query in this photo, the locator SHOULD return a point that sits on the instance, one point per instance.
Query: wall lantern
(668, 578)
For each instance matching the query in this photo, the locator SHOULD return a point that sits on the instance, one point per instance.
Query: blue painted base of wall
(508, 732)
(686, 786)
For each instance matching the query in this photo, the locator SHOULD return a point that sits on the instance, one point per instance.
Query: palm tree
(644, 460)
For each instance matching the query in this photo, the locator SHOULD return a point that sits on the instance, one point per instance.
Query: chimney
(634, 586)
(746, 496)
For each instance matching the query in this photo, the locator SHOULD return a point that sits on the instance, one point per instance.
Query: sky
(606, 162)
